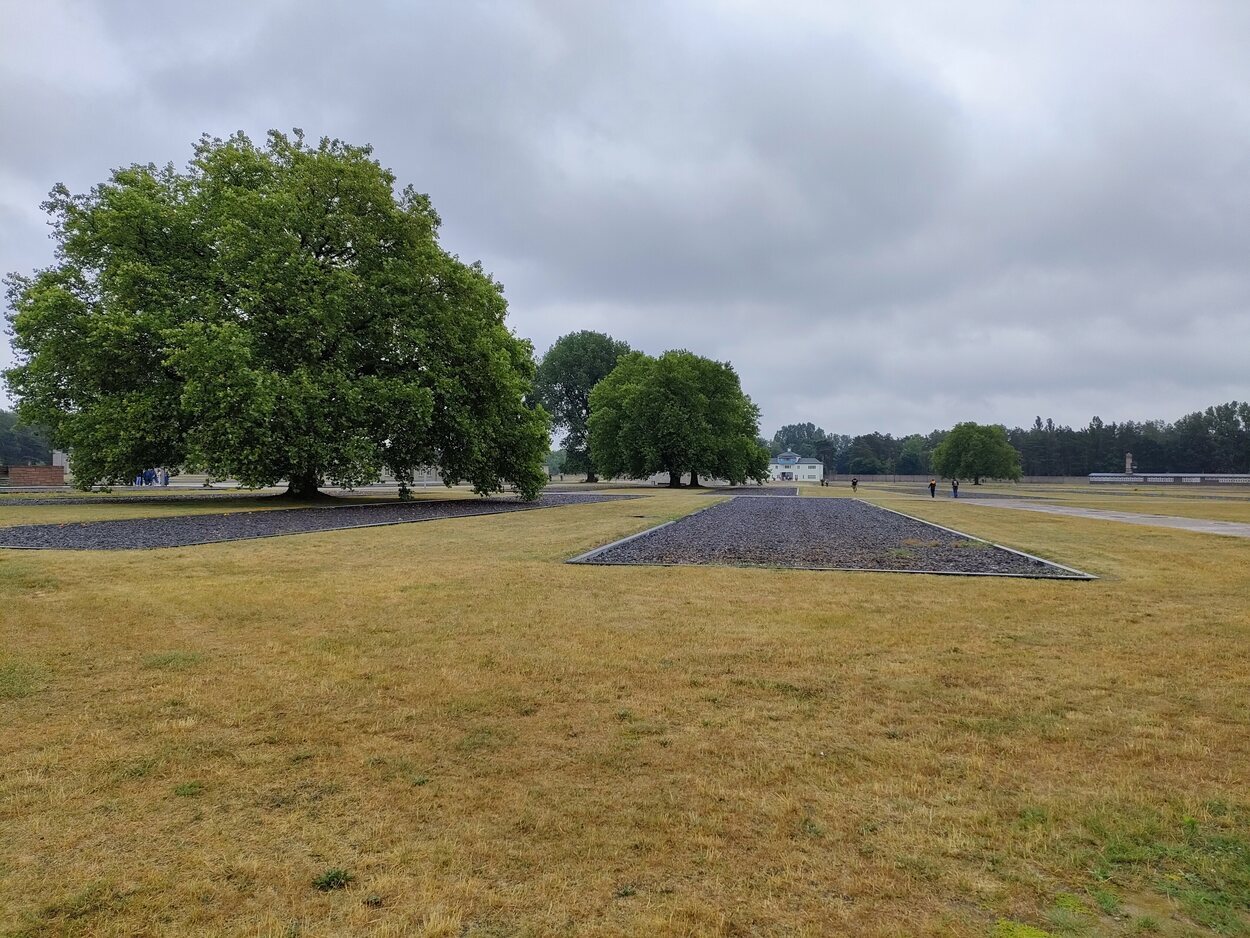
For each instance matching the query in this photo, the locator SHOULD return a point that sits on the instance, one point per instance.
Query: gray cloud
(885, 221)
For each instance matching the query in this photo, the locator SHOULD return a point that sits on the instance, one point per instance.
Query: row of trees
(969, 451)
(627, 414)
(284, 312)
(868, 454)
(1213, 440)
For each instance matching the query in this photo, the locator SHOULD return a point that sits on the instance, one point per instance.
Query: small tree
(913, 459)
(805, 439)
(973, 451)
(275, 312)
(566, 375)
(677, 413)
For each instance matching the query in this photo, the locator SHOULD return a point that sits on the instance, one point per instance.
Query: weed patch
(332, 879)
(173, 660)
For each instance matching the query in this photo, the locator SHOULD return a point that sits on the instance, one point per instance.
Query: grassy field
(441, 729)
(1209, 502)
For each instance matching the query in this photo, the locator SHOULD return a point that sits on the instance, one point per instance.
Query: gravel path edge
(588, 558)
(1075, 573)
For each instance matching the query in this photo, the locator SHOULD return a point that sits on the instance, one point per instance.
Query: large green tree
(276, 311)
(677, 413)
(566, 375)
(975, 451)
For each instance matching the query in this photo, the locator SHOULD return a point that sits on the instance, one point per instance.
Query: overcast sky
(887, 216)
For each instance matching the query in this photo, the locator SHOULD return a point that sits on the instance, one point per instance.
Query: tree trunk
(694, 479)
(303, 485)
(591, 477)
(674, 479)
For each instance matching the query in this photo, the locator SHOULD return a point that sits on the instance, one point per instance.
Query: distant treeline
(1213, 440)
(22, 446)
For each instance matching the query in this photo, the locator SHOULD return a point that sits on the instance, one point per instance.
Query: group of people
(933, 488)
(152, 477)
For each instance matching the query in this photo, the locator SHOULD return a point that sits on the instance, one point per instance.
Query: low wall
(1051, 480)
(34, 475)
(1169, 478)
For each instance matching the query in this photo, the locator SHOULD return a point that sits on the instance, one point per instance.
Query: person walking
(954, 488)
(854, 483)
(933, 488)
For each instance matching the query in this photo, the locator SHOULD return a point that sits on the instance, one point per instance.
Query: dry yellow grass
(1215, 503)
(491, 742)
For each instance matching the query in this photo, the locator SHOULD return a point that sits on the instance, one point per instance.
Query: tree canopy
(677, 413)
(801, 438)
(974, 451)
(1213, 440)
(273, 312)
(566, 375)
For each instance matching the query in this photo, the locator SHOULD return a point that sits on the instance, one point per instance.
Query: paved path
(1199, 525)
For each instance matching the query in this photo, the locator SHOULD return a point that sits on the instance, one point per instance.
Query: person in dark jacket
(933, 488)
(954, 488)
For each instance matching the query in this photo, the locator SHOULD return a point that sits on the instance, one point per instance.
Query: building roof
(808, 461)
(786, 455)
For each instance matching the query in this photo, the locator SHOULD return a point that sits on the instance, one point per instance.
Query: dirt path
(1198, 525)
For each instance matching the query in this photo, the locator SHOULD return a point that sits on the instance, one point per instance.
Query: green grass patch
(18, 679)
(70, 913)
(173, 660)
(1200, 860)
(19, 576)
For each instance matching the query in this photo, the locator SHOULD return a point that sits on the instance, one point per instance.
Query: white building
(790, 467)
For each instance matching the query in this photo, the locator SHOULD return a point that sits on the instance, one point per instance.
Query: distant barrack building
(791, 467)
(1170, 478)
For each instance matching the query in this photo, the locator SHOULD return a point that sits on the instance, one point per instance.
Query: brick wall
(36, 475)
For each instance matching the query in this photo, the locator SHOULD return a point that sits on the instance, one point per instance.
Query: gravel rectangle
(820, 534)
(748, 490)
(18, 501)
(188, 530)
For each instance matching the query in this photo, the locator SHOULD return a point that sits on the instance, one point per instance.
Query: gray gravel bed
(106, 499)
(819, 533)
(739, 490)
(597, 486)
(188, 530)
